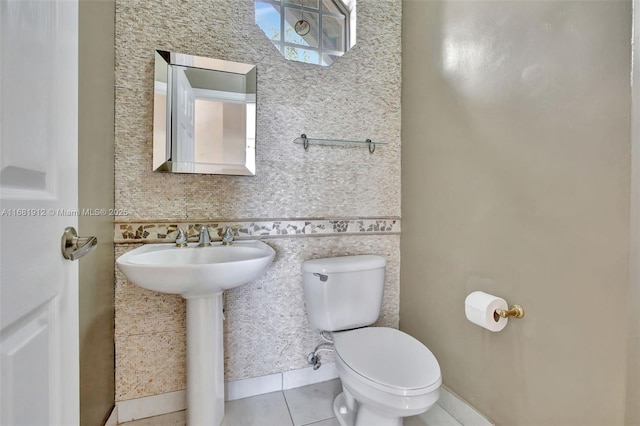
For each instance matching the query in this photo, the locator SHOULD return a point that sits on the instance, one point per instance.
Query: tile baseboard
(459, 409)
(156, 405)
(165, 403)
(112, 420)
(150, 406)
(253, 386)
(308, 376)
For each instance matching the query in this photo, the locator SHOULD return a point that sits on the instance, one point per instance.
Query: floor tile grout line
(285, 398)
(317, 421)
(302, 424)
(288, 408)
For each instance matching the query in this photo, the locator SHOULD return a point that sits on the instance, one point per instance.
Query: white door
(38, 199)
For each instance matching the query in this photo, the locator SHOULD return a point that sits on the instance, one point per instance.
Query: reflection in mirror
(330, 32)
(204, 118)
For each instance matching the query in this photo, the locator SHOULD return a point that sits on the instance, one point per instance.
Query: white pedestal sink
(200, 275)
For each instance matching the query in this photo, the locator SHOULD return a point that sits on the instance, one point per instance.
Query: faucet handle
(227, 235)
(181, 238)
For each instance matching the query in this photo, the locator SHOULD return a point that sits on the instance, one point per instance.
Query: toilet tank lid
(329, 265)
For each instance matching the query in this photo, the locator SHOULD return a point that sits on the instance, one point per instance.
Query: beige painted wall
(515, 172)
(358, 97)
(633, 373)
(96, 189)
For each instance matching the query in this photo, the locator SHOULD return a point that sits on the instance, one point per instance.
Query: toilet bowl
(386, 375)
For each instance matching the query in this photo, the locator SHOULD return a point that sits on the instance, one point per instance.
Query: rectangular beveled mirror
(204, 115)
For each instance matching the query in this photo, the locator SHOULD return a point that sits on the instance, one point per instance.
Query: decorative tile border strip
(166, 231)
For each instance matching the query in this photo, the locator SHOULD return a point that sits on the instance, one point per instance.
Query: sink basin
(196, 271)
(200, 275)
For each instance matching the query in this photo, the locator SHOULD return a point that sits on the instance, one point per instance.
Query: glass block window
(328, 36)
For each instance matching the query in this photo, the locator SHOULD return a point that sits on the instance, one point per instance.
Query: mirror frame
(164, 148)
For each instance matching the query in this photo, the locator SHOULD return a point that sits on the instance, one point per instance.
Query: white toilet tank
(343, 292)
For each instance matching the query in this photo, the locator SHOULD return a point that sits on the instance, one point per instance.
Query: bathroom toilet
(386, 374)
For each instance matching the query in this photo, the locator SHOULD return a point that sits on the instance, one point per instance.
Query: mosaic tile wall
(356, 98)
(352, 197)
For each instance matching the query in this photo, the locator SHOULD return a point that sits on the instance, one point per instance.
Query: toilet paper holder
(515, 311)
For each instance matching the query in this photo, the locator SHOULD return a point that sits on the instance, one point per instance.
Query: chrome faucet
(204, 239)
(181, 239)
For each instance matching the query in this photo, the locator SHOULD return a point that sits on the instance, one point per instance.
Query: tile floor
(309, 405)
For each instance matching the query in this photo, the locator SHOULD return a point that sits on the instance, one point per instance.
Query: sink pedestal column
(205, 361)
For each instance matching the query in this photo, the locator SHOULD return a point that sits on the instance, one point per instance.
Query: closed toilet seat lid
(388, 357)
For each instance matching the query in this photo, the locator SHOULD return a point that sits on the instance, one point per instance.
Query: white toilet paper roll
(480, 307)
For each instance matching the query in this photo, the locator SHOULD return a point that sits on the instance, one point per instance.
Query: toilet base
(362, 416)
(344, 416)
